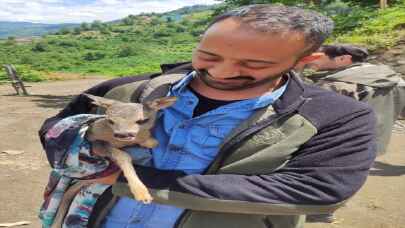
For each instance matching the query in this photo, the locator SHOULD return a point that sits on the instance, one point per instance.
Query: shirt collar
(182, 84)
(258, 102)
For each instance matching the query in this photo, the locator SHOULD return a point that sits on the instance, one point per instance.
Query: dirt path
(379, 204)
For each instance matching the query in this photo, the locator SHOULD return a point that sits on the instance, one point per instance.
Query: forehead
(126, 111)
(231, 38)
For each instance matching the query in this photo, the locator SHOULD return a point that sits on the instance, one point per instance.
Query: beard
(234, 83)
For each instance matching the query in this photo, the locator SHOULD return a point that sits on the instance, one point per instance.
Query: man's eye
(255, 66)
(110, 121)
(209, 59)
(142, 121)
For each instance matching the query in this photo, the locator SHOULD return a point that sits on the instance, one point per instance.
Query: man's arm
(325, 172)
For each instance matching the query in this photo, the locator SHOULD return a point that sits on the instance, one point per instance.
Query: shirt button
(190, 102)
(136, 221)
(174, 148)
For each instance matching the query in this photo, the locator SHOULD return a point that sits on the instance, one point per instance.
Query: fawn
(126, 124)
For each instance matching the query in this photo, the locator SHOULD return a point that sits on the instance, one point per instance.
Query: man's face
(326, 63)
(231, 56)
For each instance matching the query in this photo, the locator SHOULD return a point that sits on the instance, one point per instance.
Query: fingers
(101, 148)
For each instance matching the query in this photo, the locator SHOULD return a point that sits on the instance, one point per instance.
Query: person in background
(343, 68)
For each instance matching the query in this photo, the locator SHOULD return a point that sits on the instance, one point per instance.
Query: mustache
(203, 72)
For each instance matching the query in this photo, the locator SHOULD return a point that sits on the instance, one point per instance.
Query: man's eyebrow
(259, 61)
(208, 53)
(245, 60)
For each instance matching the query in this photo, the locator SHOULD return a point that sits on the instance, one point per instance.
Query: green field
(139, 44)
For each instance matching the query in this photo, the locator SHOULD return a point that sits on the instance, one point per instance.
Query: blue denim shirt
(185, 143)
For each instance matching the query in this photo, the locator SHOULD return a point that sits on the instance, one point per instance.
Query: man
(333, 57)
(245, 145)
(343, 68)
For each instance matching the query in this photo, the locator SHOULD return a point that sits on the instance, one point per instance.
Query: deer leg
(138, 189)
(145, 139)
(149, 143)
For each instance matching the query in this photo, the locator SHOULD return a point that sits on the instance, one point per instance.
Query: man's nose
(224, 70)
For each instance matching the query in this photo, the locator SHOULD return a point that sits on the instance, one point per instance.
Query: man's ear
(309, 58)
(343, 60)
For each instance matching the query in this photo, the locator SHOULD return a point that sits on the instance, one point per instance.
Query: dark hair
(271, 18)
(358, 54)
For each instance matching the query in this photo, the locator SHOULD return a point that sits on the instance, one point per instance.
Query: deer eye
(110, 121)
(142, 121)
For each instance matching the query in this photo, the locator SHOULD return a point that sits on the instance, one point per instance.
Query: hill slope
(139, 44)
(26, 29)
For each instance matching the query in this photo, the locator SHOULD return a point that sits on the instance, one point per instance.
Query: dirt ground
(379, 204)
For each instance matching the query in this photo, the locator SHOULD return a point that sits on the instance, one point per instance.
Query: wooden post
(15, 80)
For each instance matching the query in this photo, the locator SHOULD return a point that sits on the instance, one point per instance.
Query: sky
(77, 11)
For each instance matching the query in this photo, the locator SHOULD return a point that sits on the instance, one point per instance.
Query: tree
(128, 21)
(77, 31)
(383, 4)
(64, 31)
(11, 41)
(96, 25)
(104, 30)
(85, 26)
(169, 19)
(127, 51)
(93, 56)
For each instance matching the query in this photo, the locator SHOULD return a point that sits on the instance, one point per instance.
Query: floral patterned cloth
(71, 165)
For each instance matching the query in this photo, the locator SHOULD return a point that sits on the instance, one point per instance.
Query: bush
(85, 26)
(77, 31)
(29, 75)
(104, 30)
(67, 43)
(125, 38)
(180, 28)
(40, 47)
(93, 56)
(11, 41)
(196, 32)
(127, 51)
(96, 25)
(128, 21)
(27, 59)
(64, 31)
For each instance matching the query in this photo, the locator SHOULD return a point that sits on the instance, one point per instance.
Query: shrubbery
(139, 44)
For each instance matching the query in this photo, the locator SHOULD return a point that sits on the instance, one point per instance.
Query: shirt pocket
(209, 136)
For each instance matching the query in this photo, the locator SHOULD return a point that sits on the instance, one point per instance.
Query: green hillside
(139, 44)
(134, 45)
(25, 29)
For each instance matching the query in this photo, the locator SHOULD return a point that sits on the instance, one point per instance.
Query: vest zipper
(223, 153)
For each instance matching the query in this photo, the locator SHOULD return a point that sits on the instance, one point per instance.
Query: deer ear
(100, 101)
(161, 103)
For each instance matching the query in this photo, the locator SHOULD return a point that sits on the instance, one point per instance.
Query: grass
(150, 41)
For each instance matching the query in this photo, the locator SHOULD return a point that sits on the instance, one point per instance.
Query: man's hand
(101, 148)
(99, 131)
